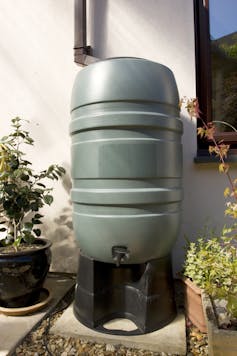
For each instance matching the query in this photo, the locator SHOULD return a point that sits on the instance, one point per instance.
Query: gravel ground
(40, 342)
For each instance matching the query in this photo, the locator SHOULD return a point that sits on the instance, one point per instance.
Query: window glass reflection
(223, 36)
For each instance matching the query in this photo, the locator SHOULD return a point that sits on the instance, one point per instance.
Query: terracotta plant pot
(193, 305)
(22, 275)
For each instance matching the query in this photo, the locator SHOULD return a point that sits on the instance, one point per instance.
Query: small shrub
(22, 191)
(211, 263)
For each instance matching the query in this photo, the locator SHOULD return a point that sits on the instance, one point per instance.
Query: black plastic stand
(142, 293)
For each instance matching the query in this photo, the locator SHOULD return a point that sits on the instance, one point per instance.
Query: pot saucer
(43, 299)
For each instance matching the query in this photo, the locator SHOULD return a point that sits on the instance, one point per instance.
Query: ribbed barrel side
(126, 159)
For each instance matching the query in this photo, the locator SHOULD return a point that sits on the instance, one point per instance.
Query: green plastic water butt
(126, 159)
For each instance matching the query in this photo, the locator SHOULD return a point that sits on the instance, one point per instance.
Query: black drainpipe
(82, 52)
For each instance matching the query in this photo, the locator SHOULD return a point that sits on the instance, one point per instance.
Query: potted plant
(210, 266)
(24, 256)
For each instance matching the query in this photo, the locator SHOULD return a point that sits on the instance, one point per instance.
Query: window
(216, 66)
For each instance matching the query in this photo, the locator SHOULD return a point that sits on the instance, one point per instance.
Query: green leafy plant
(22, 191)
(211, 263)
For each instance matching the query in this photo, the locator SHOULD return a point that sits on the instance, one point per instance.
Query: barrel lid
(124, 79)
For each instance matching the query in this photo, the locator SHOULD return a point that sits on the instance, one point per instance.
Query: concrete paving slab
(15, 328)
(170, 339)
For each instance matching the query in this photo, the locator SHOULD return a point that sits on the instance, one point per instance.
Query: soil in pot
(222, 308)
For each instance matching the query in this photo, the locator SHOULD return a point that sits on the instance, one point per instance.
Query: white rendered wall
(163, 31)
(36, 77)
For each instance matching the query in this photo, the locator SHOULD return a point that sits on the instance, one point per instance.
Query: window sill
(212, 159)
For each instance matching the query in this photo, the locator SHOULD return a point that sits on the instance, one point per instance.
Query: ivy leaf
(38, 216)
(36, 221)
(37, 232)
(48, 199)
(24, 177)
(28, 237)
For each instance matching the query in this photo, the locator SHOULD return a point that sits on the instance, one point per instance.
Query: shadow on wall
(65, 250)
